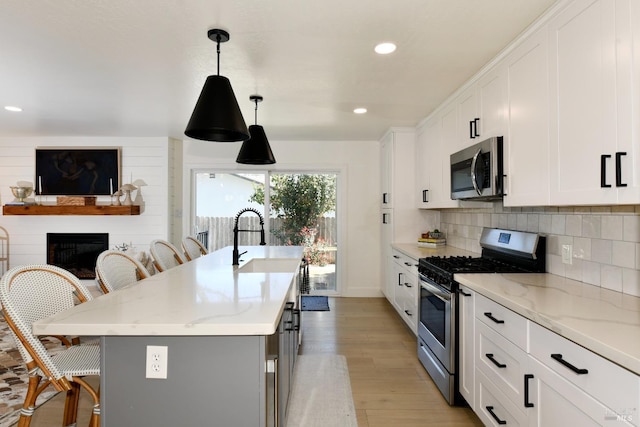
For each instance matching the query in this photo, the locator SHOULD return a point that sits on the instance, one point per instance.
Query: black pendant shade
(256, 150)
(217, 116)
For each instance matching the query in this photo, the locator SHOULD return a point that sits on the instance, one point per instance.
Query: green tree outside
(299, 200)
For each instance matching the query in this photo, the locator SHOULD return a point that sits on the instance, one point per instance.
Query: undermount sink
(270, 265)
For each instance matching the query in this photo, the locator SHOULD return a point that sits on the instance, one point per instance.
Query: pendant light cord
(218, 50)
(256, 112)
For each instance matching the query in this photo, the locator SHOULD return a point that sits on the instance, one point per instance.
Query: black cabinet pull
(408, 313)
(471, 130)
(384, 218)
(558, 358)
(475, 125)
(399, 279)
(296, 314)
(495, 362)
(619, 182)
(495, 417)
(425, 196)
(384, 198)
(463, 293)
(408, 285)
(527, 404)
(603, 170)
(490, 316)
(396, 257)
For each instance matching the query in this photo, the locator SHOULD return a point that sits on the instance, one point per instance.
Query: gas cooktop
(503, 251)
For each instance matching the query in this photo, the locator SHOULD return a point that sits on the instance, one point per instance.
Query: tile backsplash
(605, 239)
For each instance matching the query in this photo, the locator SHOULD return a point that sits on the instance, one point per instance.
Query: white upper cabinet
(526, 144)
(386, 169)
(593, 157)
(433, 189)
(481, 109)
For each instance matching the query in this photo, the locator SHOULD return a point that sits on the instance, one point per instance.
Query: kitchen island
(222, 327)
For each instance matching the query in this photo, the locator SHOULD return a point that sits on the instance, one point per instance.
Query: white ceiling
(136, 67)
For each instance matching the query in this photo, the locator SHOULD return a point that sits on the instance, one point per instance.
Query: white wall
(357, 163)
(142, 158)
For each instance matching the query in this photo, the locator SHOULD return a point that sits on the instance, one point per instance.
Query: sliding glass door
(300, 208)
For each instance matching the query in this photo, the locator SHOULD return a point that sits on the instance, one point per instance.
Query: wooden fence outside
(221, 231)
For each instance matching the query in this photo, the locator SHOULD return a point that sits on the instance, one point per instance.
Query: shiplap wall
(142, 158)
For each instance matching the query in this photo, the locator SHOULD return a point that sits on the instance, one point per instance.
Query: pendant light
(217, 116)
(256, 150)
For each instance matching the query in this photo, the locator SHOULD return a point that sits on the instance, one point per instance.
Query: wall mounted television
(73, 171)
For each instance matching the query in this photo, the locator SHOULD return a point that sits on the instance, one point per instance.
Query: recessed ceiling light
(12, 108)
(360, 110)
(385, 48)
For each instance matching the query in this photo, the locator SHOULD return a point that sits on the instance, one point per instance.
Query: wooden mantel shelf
(71, 210)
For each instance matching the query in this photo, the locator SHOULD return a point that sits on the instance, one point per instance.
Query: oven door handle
(443, 296)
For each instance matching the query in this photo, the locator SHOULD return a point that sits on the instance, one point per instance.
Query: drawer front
(504, 363)
(510, 325)
(612, 385)
(404, 260)
(492, 406)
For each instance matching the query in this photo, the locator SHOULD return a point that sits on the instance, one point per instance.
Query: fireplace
(76, 252)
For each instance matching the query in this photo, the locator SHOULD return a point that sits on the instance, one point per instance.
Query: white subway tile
(631, 227)
(623, 254)
(611, 277)
(574, 270)
(555, 265)
(512, 222)
(591, 226)
(612, 227)
(558, 224)
(631, 281)
(601, 251)
(544, 225)
(591, 273)
(573, 226)
(582, 248)
(533, 223)
(522, 222)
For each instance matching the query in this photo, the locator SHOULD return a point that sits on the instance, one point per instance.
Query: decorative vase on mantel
(127, 189)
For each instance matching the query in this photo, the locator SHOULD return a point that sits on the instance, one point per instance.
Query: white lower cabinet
(405, 284)
(493, 407)
(527, 375)
(466, 344)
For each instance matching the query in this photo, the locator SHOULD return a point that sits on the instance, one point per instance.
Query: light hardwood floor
(390, 387)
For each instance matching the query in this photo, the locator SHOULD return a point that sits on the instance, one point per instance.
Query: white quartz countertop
(412, 250)
(603, 321)
(207, 296)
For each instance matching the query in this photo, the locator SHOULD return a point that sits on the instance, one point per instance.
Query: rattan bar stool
(193, 248)
(165, 255)
(116, 269)
(32, 292)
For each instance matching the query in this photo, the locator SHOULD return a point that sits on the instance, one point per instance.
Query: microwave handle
(473, 173)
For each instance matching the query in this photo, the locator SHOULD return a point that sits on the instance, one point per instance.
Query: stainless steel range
(503, 251)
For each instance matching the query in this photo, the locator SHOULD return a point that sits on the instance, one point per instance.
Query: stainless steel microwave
(477, 172)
